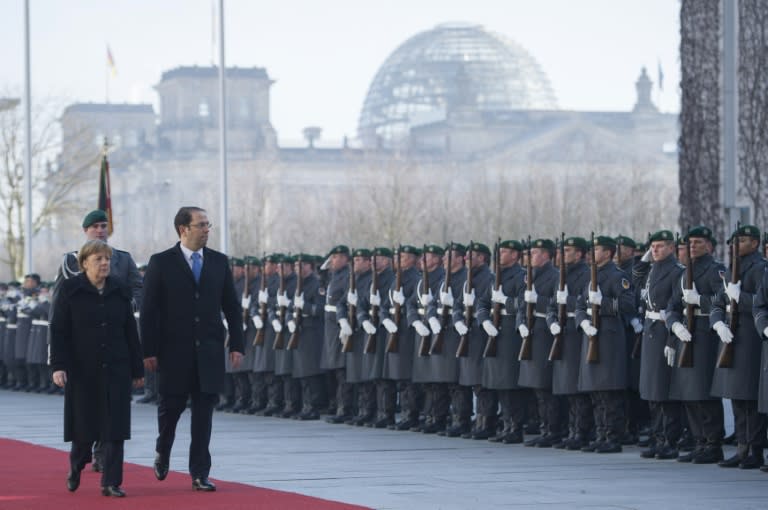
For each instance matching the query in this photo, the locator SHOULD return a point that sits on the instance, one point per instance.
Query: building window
(203, 110)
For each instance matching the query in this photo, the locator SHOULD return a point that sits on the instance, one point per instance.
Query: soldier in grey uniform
(501, 372)
(37, 348)
(257, 390)
(436, 398)
(25, 373)
(283, 357)
(236, 386)
(12, 297)
(741, 381)
(536, 373)
(656, 356)
(264, 356)
(606, 380)
(692, 385)
(565, 371)
(760, 311)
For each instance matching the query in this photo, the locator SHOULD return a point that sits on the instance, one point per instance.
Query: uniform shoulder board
(680, 265)
(625, 283)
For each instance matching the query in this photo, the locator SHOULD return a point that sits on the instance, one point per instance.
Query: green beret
(433, 248)
(383, 252)
(641, 247)
(458, 247)
(480, 248)
(274, 258)
(606, 241)
(305, 257)
(252, 261)
(238, 262)
(626, 241)
(511, 244)
(343, 249)
(577, 242)
(407, 248)
(97, 216)
(546, 244)
(362, 252)
(748, 231)
(661, 235)
(288, 259)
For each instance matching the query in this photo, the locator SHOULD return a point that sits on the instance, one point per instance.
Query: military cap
(238, 262)
(606, 241)
(288, 259)
(252, 261)
(362, 252)
(318, 259)
(661, 235)
(577, 242)
(748, 231)
(14, 284)
(341, 248)
(641, 247)
(95, 216)
(626, 241)
(382, 251)
(305, 257)
(458, 247)
(511, 244)
(273, 258)
(433, 248)
(142, 267)
(547, 244)
(407, 248)
(480, 248)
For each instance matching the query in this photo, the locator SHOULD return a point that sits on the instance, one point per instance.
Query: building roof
(213, 72)
(109, 108)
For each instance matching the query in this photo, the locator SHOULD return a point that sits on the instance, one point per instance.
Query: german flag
(105, 196)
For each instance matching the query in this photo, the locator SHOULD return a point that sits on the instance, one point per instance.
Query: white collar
(188, 253)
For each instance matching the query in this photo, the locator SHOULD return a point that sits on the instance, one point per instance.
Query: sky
(323, 55)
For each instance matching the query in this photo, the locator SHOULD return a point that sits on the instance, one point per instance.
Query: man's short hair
(184, 217)
(91, 247)
(33, 276)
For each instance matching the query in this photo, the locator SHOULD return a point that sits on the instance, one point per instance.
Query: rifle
(445, 311)
(526, 347)
(493, 341)
(293, 341)
(351, 310)
(393, 338)
(245, 291)
(725, 359)
(370, 341)
(686, 350)
(463, 349)
(259, 338)
(593, 347)
(638, 347)
(425, 340)
(279, 335)
(556, 352)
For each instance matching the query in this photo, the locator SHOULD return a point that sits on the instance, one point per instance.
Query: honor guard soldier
(740, 382)
(264, 355)
(241, 387)
(257, 398)
(278, 319)
(691, 384)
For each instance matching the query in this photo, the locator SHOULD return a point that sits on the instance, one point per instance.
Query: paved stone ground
(385, 470)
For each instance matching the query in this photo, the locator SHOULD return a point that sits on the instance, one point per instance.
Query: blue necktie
(197, 266)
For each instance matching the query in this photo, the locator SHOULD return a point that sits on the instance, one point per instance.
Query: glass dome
(452, 64)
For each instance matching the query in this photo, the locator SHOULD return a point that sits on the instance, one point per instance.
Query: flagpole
(224, 241)
(28, 146)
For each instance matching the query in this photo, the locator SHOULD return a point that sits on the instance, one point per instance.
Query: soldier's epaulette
(680, 265)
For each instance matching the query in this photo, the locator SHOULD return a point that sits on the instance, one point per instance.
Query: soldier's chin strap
(67, 271)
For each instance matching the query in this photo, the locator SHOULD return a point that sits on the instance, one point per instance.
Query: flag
(105, 196)
(111, 62)
(661, 77)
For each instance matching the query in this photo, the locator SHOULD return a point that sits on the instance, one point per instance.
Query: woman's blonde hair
(91, 247)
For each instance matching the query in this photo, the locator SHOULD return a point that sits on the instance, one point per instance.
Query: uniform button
(197, 319)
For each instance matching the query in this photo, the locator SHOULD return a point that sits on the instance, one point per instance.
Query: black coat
(94, 339)
(181, 320)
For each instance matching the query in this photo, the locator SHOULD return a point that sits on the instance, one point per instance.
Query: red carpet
(34, 477)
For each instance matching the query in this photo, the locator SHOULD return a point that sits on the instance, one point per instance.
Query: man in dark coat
(186, 289)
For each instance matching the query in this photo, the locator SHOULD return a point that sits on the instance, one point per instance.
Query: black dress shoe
(404, 424)
(382, 423)
(339, 418)
(203, 484)
(73, 480)
(709, 455)
(609, 447)
(575, 444)
(483, 434)
(161, 466)
(731, 462)
(514, 437)
(764, 469)
(113, 491)
(688, 457)
(433, 428)
(752, 462)
(547, 441)
(457, 431)
(667, 452)
(650, 453)
(308, 416)
(591, 446)
(534, 441)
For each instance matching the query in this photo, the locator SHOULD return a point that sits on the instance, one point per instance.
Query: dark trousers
(513, 405)
(311, 393)
(411, 399)
(439, 402)
(550, 413)
(291, 394)
(461, 404)
(487, 402)
(275, 395)
(345, 393)
(609, 415)
(581, 418)
(750, 426)
(169, 410)
(112, 460)
(705, 421)
(242, 389)
(665, 422)
(636, 411)
(366, 399)
(258, 389)
(386, 398)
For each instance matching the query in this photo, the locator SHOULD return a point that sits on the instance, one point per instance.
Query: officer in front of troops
(740, 381)
(536, 372)
(278, 314)
(691, 304)
(398, 362)
(501, 369)
(605, 378)
(657, 357)
(121, 266)
(436, 398)
(565, 369)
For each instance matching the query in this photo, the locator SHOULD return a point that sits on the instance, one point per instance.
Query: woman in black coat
(95, 355)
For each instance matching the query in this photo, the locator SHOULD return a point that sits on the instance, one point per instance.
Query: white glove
(588, 328)
(374, 299)
(681, 332)
(245, 302)
(263, 296)
(298, 302)
(390, 325)
(490, 328)
(646, 256)
(352, 298)
(469, 298)
(282, 299)
(346, 329)
(420, 328)
(596, 296)
(669, 353)
(277, 326)
(425, 299)
(530, 296)
(245, 326)
(369, 327)
(523, 329)
(498, 296)
(636, 325)
(733, 290)
(555, 329)
(461, 328)
(765, 332)
(691, 296)
(256, 319)
(446, 298)
(561, 296)
(434, 325)
(723, 331)
(398, 297)
(291, 326)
